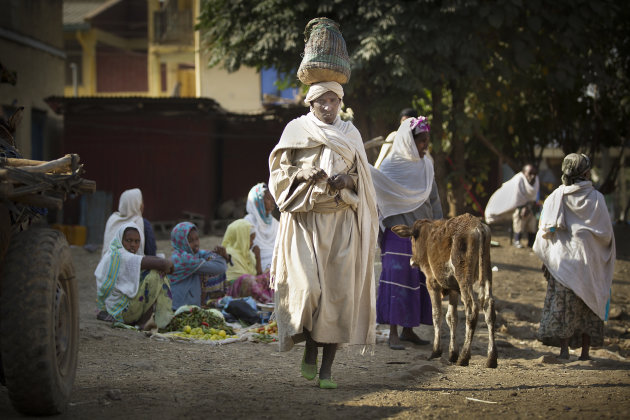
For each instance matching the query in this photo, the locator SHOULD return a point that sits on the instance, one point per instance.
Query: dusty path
(123, 374)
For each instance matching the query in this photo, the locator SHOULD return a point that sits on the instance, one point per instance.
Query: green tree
(509, 77)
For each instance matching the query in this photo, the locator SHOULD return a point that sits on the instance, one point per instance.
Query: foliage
(526, 74)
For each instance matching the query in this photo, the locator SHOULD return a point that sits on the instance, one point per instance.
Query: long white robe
(576, 243)
(323, 259)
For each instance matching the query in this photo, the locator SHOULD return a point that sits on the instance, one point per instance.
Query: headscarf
(404, 180)
(574, 167)
(117, 275)
(129, 210)
(265, 226)
(185, 262)
(318, 89)
(236, 242)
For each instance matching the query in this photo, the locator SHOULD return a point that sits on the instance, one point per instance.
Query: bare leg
(586, 345)
(325, 371)
(310, 355)
(393, 334)
(564, 348)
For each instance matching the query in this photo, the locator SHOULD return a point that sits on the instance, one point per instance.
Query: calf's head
(418, 234)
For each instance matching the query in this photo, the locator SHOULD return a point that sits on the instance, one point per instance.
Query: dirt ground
(125, 374)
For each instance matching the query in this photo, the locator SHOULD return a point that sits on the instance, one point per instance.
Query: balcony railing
(173, 27)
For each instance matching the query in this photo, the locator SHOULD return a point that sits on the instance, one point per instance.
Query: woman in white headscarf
(576, 244)
(259, 206)
(132, 288)
(324, 254)
(406, 191)
(130, 209)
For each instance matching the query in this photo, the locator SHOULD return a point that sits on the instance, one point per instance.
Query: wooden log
(62, 165)
(28, 189)
(39, 200)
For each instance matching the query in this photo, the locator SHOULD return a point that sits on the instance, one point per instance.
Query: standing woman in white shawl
(259, 206)
(324, 254)
(406, 191)
(576, 244)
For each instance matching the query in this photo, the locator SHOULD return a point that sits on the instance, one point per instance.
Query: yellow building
(149, 48)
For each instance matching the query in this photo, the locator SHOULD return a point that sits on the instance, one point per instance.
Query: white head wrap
(318, 89)
(404, 180)
(129, 210)
(117, 274)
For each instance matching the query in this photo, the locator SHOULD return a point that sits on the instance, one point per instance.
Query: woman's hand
(340, 181)
(167, 266)
(310, 174)
(256, 251)
(221, 251)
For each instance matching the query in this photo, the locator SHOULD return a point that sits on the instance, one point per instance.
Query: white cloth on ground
(576, 243)
(404, 180)
(129, 210)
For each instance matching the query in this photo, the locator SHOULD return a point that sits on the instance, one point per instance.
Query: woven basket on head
(325, 54)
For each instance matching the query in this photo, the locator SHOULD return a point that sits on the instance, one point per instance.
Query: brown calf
(453, 254)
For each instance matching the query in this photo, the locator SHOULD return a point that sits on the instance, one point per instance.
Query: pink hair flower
(419, 125)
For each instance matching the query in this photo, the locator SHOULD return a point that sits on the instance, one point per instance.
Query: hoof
(435, 354)
(491, 363)
(463, 362)
(453, 357)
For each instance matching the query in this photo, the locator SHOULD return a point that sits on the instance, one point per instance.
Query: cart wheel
(39, 321)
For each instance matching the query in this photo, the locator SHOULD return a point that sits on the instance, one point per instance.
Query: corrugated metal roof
(75, 11)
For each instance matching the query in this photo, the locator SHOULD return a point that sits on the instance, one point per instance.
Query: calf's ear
(403, 231)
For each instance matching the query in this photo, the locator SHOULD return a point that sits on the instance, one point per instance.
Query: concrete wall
(236, 92)
(32, 45)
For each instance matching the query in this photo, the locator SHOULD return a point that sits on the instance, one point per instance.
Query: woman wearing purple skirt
(406, 191)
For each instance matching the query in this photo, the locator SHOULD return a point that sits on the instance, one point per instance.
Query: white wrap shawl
(576, 243)
(512, 194)
(404, 180)
(344, 139)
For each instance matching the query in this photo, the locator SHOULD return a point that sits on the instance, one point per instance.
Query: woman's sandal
(308, 371)
(327, 383)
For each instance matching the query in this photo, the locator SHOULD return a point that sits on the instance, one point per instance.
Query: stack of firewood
(41, 183)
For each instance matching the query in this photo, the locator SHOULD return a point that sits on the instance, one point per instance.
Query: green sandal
(308, 371)
(327, 384)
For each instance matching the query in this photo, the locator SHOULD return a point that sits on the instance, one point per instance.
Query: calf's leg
(490, 317)
(436, 311)
(451, 320)
(472, 311)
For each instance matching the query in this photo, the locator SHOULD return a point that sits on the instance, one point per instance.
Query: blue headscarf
(256, 199)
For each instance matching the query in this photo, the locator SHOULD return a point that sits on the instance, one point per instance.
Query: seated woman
(131, 288)
(193, 265)
(259, 206)
(130, 209)
(241, 275)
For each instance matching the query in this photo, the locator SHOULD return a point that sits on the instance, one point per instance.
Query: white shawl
(344, 139)
(404, 180)
(129, 210)
(117, 274)
(512, 194)
(576, 243)
(265, 233)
